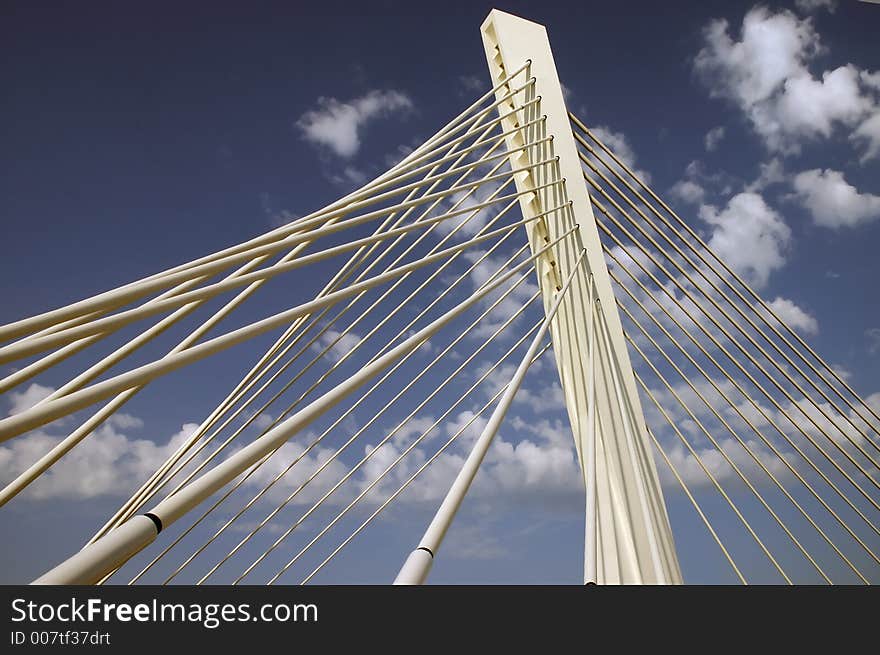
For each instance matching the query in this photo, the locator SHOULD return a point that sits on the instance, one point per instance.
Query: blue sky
(139, 137)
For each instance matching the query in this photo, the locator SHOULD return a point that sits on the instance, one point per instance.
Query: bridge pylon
(628, 539)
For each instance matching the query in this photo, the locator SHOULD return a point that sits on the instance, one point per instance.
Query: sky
(137, 137)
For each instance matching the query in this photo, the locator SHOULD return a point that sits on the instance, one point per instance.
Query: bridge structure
(512, 237)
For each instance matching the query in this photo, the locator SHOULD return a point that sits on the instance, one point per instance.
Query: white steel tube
(47, 361)
(154, 488)
(401, 488)
(96, 560)
(351, 440)
(120, 296)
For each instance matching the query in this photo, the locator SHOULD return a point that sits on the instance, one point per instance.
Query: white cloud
(475, 541)
(772, 50)
(125, 421)
(338, 344)
(473, 83)
(771, 172)
(307, 464)
(20, 401)
(688, 191)
(620, 146)
(529, 467)
(871, 79)
(416, 427)
(810, 107)
(690, 470)
(873, 336)
(23, 400)
(809, 6)
(793, 316)
(511, 303)
(282, 217)
(398, 155)
(617, 143)
(337, 125)
(528, 461)
(112, 463)
(263, 421)
(567, 93)
(868, 133)
(349, 175)
(713, 137)
(842, 372)
(817, 418)
(697, 183)
(108, 462)
(630, 259)
(732, 406)
(540, 398)
(766, 74)
(276, 218)
(749, 236)
(832, 201)
(541, 465)
(469, 223)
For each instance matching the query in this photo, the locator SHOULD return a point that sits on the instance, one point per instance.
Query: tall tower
(628, 538)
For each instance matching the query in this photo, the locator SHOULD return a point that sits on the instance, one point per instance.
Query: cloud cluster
(528, 461)
(769, 173)
(468, 223)
(534, 457)
(698, 183)
(337, 344)
(689, 192)
(620, 146)
(337, 125)
(800, 420)
(810, 6)
(832, 201)
(749, 235)
(714, 137)
(20, 401)
(873, 337)
(794, 316)
(540, 398)
(868, 135)
(691, 471)
(511, 303)
(765, 72)
(108, 462)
